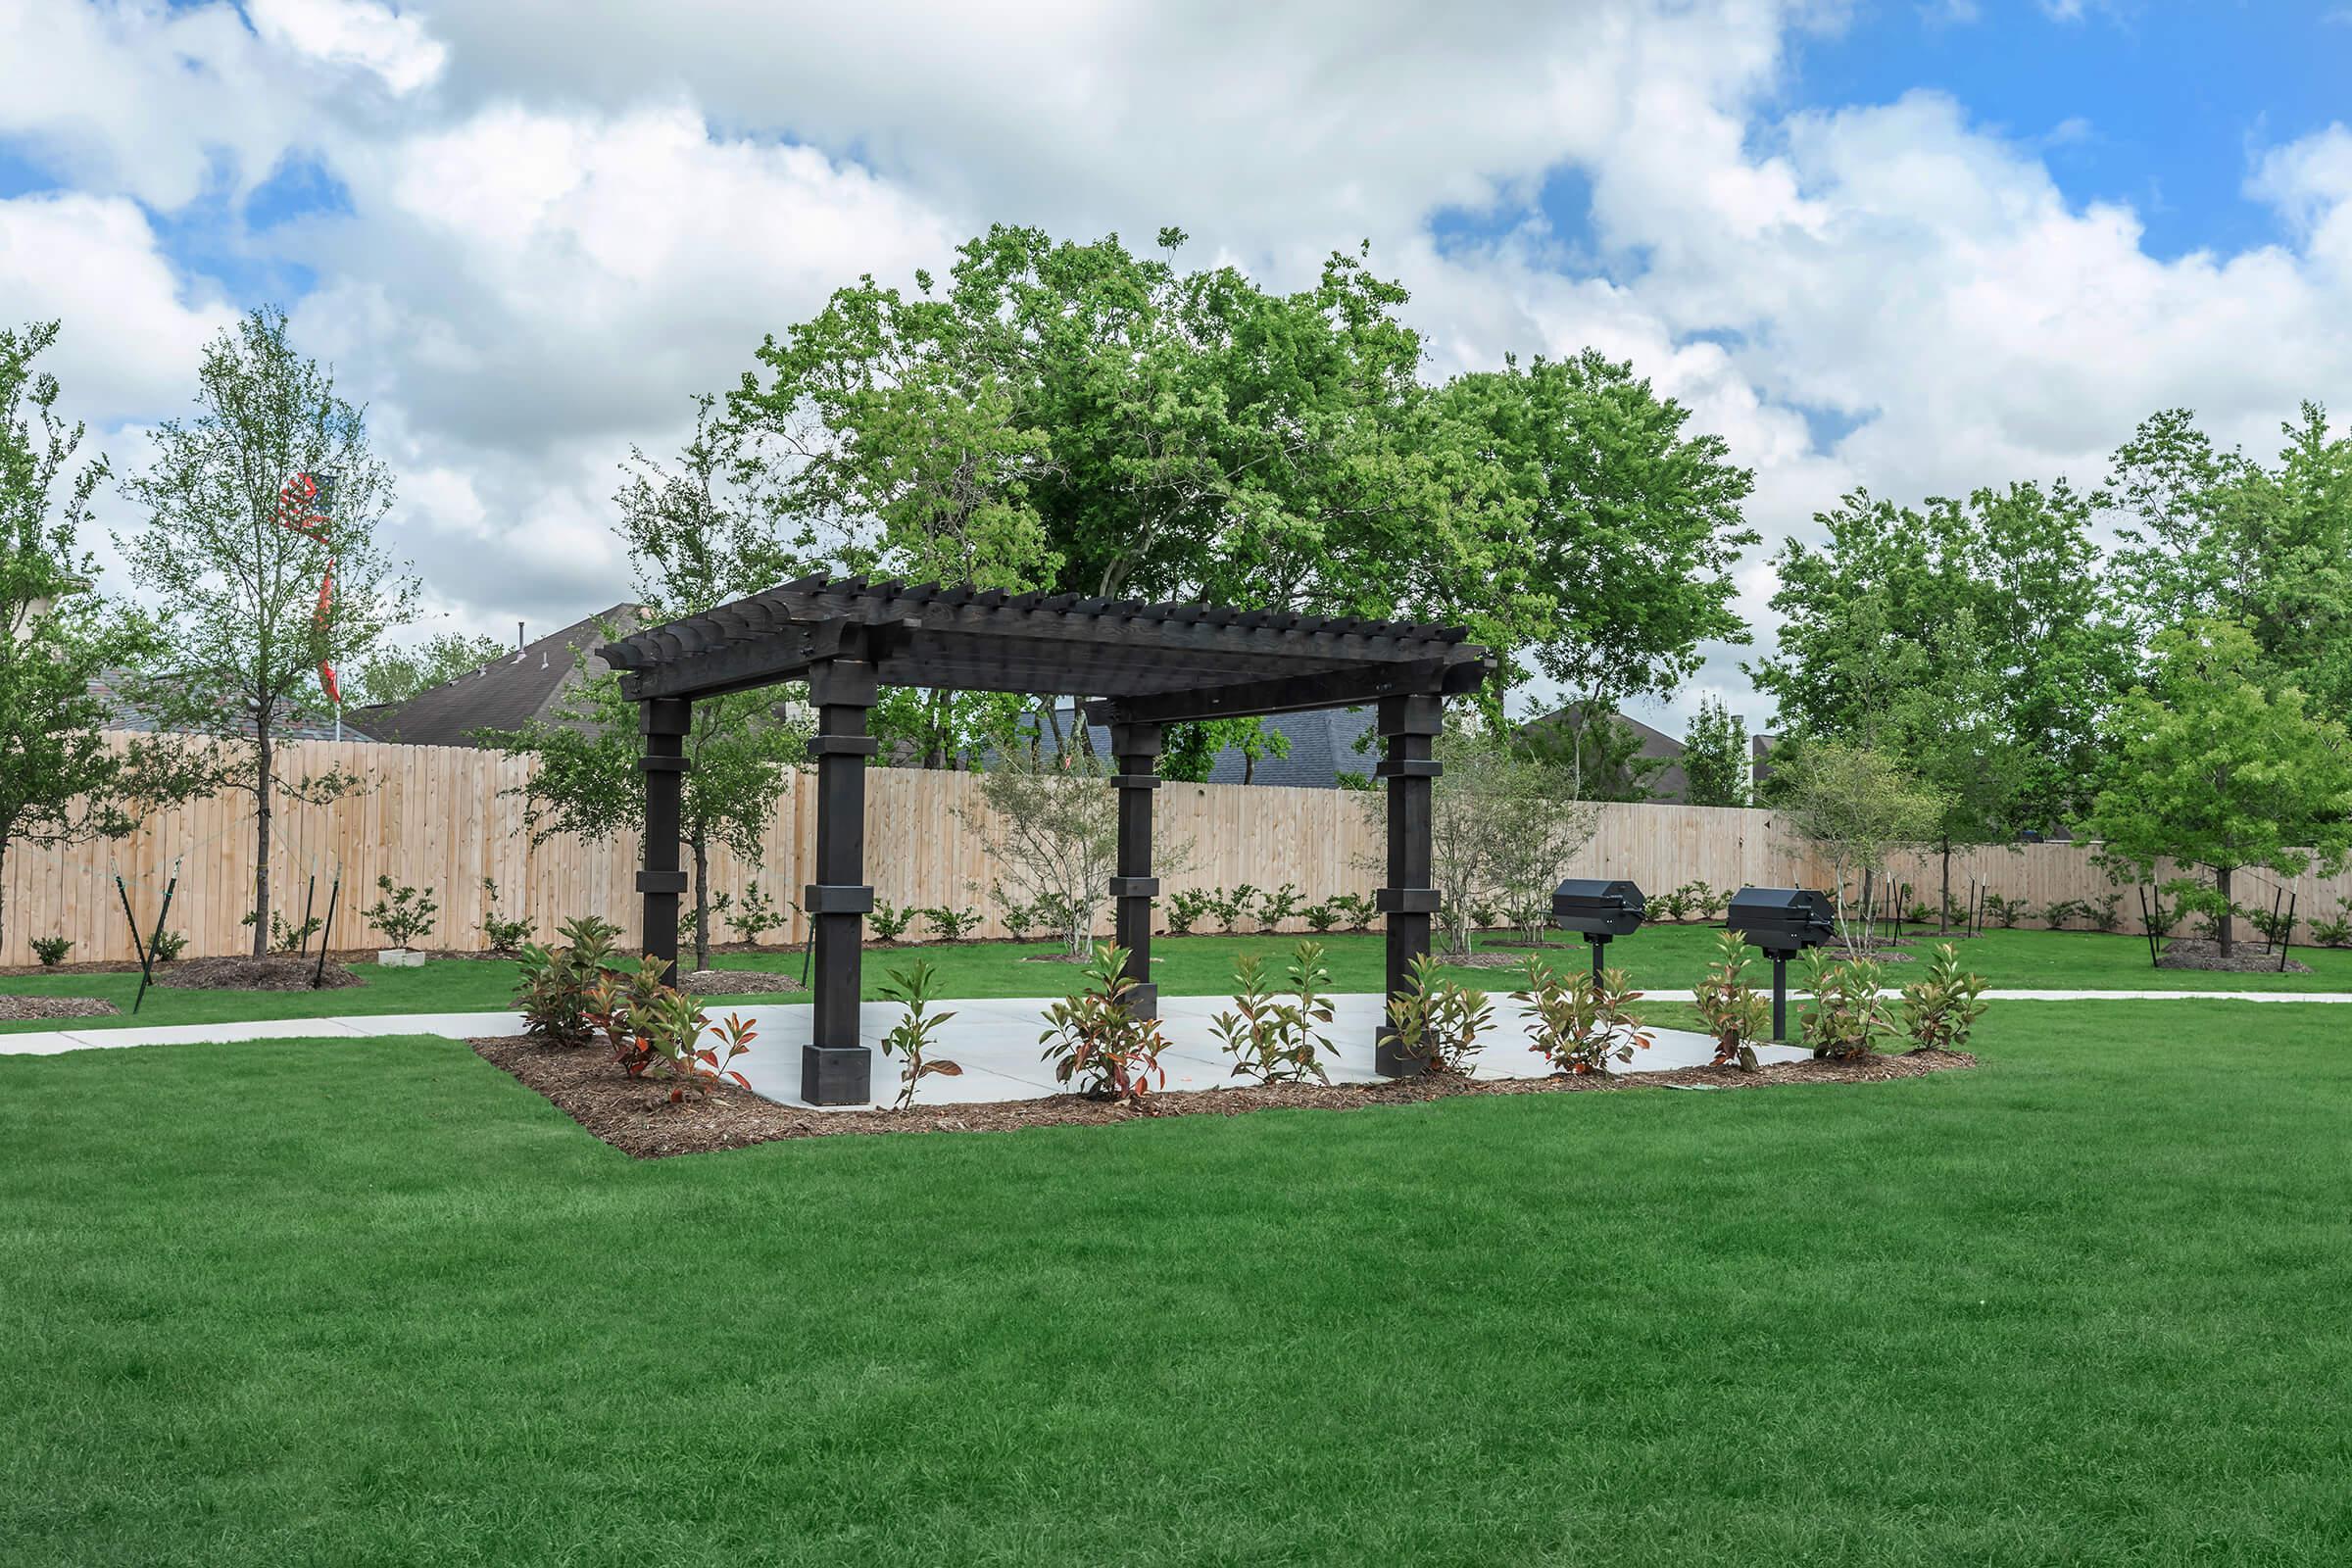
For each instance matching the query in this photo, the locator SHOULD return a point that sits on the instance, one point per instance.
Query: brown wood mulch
(2196, 953)
(635, 1115)
(277, 972)
(737, 982)
(22, 1009)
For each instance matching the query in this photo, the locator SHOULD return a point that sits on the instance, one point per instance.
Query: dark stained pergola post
(1408, 731)
(836, 1068)
(666, 724)
(1134, 887)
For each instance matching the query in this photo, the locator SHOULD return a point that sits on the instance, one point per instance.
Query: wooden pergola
(1146, 666)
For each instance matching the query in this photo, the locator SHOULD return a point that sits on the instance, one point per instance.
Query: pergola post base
(837, 1075)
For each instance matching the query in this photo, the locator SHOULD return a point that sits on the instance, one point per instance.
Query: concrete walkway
(996, 1038)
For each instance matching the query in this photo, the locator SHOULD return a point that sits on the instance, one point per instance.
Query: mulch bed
(2195, 953)
(18, 1009)
(277, 972)
(635, 1115)
(737, 982)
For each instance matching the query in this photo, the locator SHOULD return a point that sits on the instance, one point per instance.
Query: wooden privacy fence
(446, 817)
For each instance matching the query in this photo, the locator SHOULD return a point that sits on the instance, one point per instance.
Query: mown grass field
(1665, 959)
(372, 1301)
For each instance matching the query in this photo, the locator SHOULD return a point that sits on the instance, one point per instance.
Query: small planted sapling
(1440, 1020)
(1847, 1018)
(168, 946)
(1096, 1042)
(1233, 907)
(501, 935)
(403, 914)
(1272, 1037)
(1186, 907)
(1942, 1005)
(1277, 907)
(558, 983)
(1675, 905)
(915, 987)
(51, 950)
(1355, 910)
(1320, 916)
(951, 924)
(755, 915)
(888, 921)
(1735, 1013)
(1582, 1025)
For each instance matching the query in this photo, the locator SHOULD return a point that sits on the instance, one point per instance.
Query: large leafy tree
(697, 537)
(2219, 762)
(395, 674)
(246, 628)
(1631, 524)
(62, 781)
(1717, 764)
(2211, 534)
(1079, 417)
(1872, 623)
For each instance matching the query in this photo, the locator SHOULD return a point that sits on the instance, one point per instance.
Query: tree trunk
(2221, 885)
(701, 899)
(263, 774)
(1943, 903)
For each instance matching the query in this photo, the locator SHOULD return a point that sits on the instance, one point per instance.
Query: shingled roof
(504, 694)
(1145, 662)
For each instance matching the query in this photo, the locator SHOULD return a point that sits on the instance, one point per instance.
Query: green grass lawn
(1664, 960)
(372, 1301)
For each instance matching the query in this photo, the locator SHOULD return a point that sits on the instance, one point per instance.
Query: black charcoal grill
(1598, 910)
(1783, 922)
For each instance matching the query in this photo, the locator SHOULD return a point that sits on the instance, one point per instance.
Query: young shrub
(756, 917)
(909, 1039)
(1735, 1013)
(2336, 932)
(2274, 926)
(1707, 901)
(505, 937)
(888, 921)
(1675, 905)
(1942, 1005)
(284, 935)
(1278, 905)
(2105, 913)
(1438, 1019)
(1232, 909)
(668, 1026)
(1018, 916)
(1273, 1038)
(1483, 916)
(2004, 912)
(402, 915)
(168, 946)
(690, 918)
(1186, 909)
(1320, 916)
(557, 984)
(1581, 1027)
(51, 950)
(951, 924)
(622, 1003)
(1097, 1043)
(1847, 1018)
(1920, 915)
(1356, 911)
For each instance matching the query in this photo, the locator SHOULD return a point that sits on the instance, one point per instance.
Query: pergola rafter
(1141, 665)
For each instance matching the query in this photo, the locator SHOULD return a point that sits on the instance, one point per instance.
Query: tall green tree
(1082, 418)
(62, 781)
(245, 628)
(395, 674)
(1717, 761)
(697, 537)
(2218, 762)
(2211, 534)
(1631, 524)
(1952, 732)
(1858, 807)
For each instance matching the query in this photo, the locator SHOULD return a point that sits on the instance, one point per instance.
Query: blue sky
(2158, 104)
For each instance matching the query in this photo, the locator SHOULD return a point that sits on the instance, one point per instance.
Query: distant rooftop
(505, 694)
